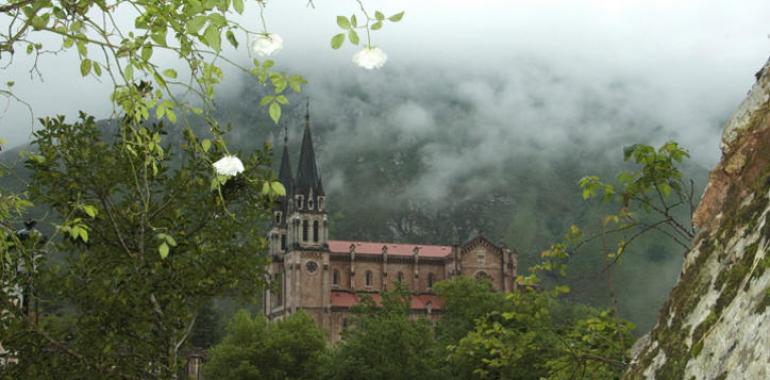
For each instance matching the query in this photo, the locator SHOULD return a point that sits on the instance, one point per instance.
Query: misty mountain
(425, 156)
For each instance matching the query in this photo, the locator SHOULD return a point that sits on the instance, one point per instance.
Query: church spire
(284, 174)
(308, 181)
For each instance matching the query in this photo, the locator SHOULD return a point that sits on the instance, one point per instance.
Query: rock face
(716, 323)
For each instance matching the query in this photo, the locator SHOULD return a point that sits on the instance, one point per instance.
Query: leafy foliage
(654, 197)
(533, 335)
(466, 300)
(383, 342)
(159, 245)
(256, 349)
(350, 26)
(191, 30)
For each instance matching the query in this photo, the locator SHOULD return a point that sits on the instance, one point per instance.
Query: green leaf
(343, 22)
(353, 36)
(396, 17)
(231, 38)
(337, 40)
(238, 5)
(278, 189)
(275, 112)
(163, 250)
(282, 100)
(353, 21)
(195, 24)
(97, 69)
(90, 210)
(206, 145)
(147, 52)
(10, 83)
(377, 25)
(378, 15)
(170, 73)
(128, 72)
(267, 99)
(296, 82)
(85, 67)
(212, 37)
(170, 240)
(159, 37)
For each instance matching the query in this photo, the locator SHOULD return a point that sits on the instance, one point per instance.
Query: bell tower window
(305, 230)
(300, 201)
(315, 231)
(283, 242)
(320, 203)
(278, 217)
(310, 203)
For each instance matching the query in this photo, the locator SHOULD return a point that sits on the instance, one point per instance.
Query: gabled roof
(368, 247)
(478, 240)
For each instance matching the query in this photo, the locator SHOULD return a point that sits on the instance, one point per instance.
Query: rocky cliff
(716, 323)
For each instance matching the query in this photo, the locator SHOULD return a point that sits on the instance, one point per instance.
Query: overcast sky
(688, 61)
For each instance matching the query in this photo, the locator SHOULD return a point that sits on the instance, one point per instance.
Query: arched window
(310, 203)
(315, 231)
(368, 278)
(305, 230)
(400, 277)
(283, 242)
(481, 275)
(277, 217)
(320, 203)
(336, 278)
(430, 281)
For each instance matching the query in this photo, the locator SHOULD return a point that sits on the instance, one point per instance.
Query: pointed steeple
(284, 174)
(285, 177)
(308, 179)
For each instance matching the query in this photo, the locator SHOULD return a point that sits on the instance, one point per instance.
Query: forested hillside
(415, 165)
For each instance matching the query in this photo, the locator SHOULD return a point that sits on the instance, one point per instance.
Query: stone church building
(326, 277)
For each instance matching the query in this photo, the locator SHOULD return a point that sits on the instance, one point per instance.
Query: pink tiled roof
(419, 302)
(368, 247)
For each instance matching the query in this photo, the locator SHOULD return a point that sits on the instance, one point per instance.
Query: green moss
(684, 297)
(759, 270)
(696, 349)
(705, 326)
(735, 276)
(737, 216)
(764, 303)
(677, 355)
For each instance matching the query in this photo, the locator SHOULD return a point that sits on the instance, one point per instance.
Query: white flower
(370, 58)
(228, 166)
(266, 44)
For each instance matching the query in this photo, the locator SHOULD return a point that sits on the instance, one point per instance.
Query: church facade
(325, 278)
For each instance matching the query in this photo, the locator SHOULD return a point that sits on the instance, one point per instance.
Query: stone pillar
(384, 274)
(353, 267)
(416, 255)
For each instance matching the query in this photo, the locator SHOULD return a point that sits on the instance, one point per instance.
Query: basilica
(325, 278)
